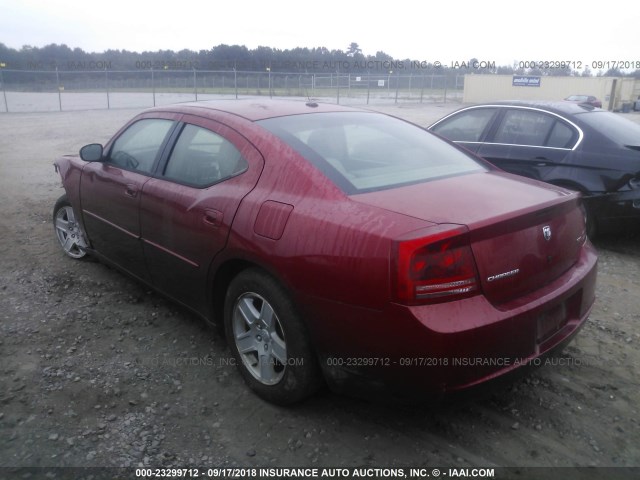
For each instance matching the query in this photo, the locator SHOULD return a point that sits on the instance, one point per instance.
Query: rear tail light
(434, 265)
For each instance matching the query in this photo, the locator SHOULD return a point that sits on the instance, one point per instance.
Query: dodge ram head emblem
(546, 231)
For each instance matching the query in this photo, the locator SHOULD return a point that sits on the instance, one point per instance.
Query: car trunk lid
(524, 234)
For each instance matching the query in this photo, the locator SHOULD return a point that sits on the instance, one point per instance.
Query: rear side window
(524, 127)
(536, 129)
(138, 146)
(467, 126)
(368, 151)
(561, 136)
(201, 157)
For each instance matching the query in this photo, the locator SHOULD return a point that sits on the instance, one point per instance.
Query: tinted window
(616, 128)
(562, 136)
(524, 127)
(202, 157)
(138, 146)
(466, 126)
(368, 151)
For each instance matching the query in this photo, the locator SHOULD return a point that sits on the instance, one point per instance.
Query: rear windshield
(361, 152)
(616, 128)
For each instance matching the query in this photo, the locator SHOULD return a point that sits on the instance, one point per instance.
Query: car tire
(269, 340)
(68, 231)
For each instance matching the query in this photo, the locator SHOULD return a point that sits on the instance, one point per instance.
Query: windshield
(613, 126)
(369, 151)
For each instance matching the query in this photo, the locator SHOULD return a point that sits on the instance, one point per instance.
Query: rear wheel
(68, 231)
(268, 339)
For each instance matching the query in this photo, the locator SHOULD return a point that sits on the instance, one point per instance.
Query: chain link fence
(39, 91)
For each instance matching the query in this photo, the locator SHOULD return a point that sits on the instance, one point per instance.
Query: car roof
(555, 106)
(255, 109)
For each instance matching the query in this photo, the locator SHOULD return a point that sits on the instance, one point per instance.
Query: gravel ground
(99, 371)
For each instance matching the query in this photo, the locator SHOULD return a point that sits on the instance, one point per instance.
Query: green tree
(353, 50)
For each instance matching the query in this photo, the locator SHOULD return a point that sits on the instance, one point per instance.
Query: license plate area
(551, 321)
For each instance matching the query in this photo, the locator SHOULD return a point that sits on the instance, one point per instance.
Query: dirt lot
(99, 371)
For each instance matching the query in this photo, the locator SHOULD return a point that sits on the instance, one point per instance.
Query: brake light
(434, 265)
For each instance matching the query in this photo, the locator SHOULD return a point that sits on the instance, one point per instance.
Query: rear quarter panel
(331, 247)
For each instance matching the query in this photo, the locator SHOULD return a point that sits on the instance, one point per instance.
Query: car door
(110, 192)
(528, 142)
(188, 209)
(467, 128)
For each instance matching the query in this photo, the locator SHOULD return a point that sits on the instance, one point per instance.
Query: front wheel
(268, 339)
(68, 231)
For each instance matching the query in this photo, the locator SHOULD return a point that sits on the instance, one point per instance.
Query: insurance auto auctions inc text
(366, 472)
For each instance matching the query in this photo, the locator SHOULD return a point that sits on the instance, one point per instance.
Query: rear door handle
(131, 190)
(213, 217)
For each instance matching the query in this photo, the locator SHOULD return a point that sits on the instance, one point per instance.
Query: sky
(493, 31)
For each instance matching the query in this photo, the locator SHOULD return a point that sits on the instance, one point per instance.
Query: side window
(467, 126)
(202, 157)
(138, 146)
(524, 127)
(561, 136)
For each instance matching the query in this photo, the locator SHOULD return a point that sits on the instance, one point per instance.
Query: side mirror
(91, 152)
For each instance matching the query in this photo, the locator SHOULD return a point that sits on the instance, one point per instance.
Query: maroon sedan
(584, 100)
(334, 244)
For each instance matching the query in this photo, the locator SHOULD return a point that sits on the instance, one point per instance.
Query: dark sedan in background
(575, 146)
(334, 243)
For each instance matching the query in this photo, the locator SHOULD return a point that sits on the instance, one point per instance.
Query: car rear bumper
(617, 209)
(615, 212)
(413, 353)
